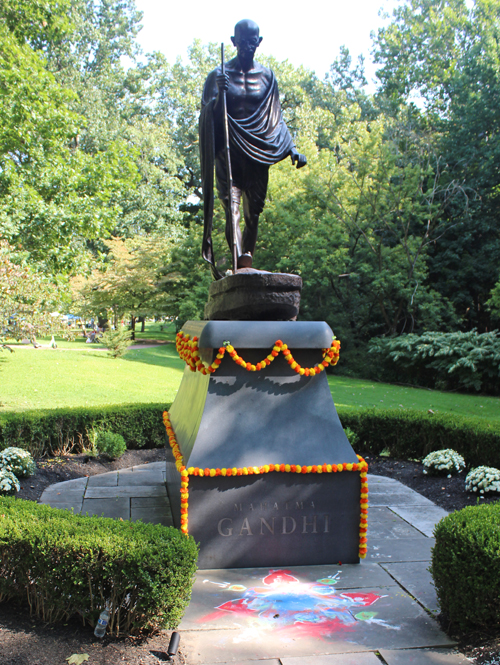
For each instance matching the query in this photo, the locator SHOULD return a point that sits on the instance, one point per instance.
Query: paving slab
(397, 528)
(415, 578)
(150, 502)
(109, 479)
(132, 477)
(54, 495)
(373, 480)
(383, 550)
(423, 657)
(363, 658)
(152, 510)
(382, 514)
(397, 496)
(125, 491)
(149, 465)
(65, 504)
(115, 507)
(423, 520)
(76, 483)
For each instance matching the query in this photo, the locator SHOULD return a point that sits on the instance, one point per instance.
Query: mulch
(25, 640)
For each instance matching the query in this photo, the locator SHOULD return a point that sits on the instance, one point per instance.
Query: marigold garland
(188, 350)
(362, 467)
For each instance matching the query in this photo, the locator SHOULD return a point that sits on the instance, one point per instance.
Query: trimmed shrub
(413, 434)
(445, 462)
(117, 341)
(67, 564)
(71, 430)
(110, 444)
(19, 461)
(483, 479)
(9, 484)
(466, 567)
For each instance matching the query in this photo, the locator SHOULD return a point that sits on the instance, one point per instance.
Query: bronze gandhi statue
(257, 138)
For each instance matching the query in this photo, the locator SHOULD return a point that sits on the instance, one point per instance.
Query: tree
(53, 196)
(358, 225)
(446, 53)
(128, 281)
(28, 301)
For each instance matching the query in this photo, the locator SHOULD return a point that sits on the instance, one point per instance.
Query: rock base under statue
(252, 295)
(240, 420)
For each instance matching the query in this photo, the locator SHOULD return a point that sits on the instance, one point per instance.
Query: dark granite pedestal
(235, 419)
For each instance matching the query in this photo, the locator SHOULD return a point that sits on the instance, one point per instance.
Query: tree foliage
(393, 226)
(28, 301)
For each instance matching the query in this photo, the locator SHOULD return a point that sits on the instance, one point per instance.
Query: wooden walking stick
(234, 248)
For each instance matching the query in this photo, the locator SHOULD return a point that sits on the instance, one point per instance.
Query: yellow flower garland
(362, 467)
(188, 351)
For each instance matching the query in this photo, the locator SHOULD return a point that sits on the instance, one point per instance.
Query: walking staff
(234, 248)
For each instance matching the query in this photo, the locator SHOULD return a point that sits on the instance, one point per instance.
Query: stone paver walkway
(378, 612)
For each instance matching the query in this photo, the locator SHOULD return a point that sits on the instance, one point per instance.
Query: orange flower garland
(362, 467)
(188, 351)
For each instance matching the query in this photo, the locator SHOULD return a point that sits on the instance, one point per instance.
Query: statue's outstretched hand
(297, 157)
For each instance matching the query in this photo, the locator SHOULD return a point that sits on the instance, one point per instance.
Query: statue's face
(246, 39)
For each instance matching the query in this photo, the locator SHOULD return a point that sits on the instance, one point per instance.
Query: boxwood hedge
(68, 430)
(466, 566)
(413, 434)
(404, 433)
(67, 564)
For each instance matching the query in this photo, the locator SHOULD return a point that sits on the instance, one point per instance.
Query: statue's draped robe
(262, 137)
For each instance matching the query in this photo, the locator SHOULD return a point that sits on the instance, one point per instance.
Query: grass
(48, 379)
(80, 374)
(350, 393)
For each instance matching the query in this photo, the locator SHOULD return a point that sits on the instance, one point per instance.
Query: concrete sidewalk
(380, 611)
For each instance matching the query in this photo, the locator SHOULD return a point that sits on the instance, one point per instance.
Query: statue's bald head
(246, 39)
(246, 26)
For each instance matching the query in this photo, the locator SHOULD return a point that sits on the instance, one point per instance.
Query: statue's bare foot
(245, 260)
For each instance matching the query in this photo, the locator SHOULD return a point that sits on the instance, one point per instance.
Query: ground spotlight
(173, 645)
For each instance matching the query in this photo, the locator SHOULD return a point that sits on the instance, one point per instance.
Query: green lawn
(79, 374)
(48, 379)
(348, 393)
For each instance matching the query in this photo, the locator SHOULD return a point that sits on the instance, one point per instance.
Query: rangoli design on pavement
(287, 605)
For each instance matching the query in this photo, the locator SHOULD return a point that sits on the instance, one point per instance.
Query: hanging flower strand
(188, 351)
(360, 466)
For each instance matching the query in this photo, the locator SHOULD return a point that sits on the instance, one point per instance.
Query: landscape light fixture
(173, 645)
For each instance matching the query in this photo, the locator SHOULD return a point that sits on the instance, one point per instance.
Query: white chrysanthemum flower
(484, 479)
(444, 461)
(18, 461)
(9, 484)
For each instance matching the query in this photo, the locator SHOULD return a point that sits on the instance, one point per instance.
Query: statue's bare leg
(254, 198)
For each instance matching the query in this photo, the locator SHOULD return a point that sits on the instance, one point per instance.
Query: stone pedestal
(254, 295)
(235, 419)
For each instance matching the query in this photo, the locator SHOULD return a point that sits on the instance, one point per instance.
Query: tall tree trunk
(132, 326)
(142, 321)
